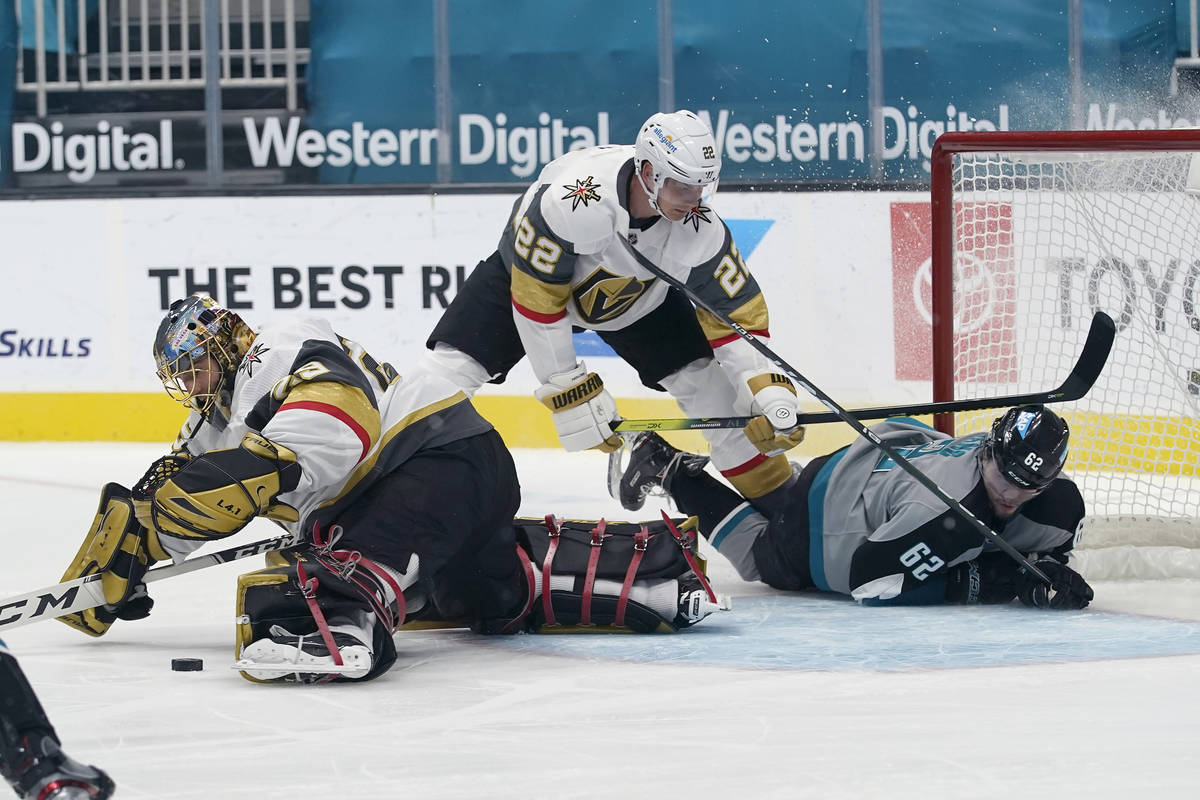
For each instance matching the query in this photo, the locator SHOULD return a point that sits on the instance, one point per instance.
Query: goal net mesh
(1041, 242)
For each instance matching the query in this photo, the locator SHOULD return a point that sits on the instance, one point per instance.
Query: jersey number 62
(922, 560)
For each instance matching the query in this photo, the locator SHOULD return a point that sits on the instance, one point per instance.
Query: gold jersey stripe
(751, 315)
(348, 399)
(539, 296)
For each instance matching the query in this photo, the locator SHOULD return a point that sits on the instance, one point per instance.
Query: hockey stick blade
(1077, 384)
(80, 594)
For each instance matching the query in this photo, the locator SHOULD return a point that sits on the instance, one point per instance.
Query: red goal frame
(941, 192)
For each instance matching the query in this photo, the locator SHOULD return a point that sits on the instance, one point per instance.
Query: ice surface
(787, 695)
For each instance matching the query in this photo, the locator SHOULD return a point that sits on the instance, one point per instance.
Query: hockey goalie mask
(1029, 446)
(197, 350)
(683, 154)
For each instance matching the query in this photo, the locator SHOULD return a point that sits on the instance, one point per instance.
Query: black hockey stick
(841, 413)
(1083, 375)
(80, 594)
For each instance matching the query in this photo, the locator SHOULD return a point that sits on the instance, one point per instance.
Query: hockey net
(1033, 233)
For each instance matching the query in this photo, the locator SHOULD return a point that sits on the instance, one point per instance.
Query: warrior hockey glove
(1067, 589)
(583, 410)
(776, 430)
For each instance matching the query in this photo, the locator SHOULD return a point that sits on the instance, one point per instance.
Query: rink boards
(843, 273)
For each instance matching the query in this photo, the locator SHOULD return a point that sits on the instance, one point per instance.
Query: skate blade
(246, 665)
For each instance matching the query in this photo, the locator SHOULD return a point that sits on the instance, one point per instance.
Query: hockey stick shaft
(827, 401)
(80, 594)
(1080, 380)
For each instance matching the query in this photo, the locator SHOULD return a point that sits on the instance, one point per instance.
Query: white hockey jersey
(576, 260)
(348, 418)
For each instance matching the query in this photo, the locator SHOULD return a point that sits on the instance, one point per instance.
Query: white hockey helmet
(680, 146)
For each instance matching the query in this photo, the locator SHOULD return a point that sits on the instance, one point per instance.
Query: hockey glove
(1067, 589)
(770, 441)
(583, 410)
(118, 547)
(775, 431)
(991, 578)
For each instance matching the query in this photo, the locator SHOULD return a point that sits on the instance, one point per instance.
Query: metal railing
(160, 44)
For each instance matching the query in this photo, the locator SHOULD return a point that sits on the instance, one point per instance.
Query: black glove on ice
(1067, 590)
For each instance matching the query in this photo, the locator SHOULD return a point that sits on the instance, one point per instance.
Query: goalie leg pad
(118, 547)
(621, 576)
(282, 597)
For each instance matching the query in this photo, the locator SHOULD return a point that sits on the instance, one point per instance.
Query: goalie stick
(1080, 380)
(80, 594)
(841, 413)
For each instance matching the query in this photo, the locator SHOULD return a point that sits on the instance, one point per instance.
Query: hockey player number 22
(731, 272)
(545, 252)
(923, 562)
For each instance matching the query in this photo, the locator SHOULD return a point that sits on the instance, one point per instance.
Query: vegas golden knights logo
(603, 296)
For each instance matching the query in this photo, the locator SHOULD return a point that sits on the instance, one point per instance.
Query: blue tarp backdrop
(784, 85)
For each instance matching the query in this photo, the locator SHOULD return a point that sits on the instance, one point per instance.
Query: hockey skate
(694, 604)
(649, 466)
(287, 657)
(43, 771)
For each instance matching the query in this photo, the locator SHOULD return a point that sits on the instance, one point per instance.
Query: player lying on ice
(580, 251)
(405, 495)
(31, 756)
(855, 524)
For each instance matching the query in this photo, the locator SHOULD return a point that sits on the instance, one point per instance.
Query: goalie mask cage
(1034, 231)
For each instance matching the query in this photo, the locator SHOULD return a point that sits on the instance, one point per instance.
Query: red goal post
(1033, 231)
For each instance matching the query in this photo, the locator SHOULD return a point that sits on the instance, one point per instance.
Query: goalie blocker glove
(120, 548)
(583, 410)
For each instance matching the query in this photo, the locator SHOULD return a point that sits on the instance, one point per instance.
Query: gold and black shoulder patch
(584, 191)
(252, 359)
(696, 216)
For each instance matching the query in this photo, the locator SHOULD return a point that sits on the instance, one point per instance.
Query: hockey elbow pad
(217, 493)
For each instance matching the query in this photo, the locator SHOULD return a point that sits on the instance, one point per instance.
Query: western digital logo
(480, 140)
(82, 155)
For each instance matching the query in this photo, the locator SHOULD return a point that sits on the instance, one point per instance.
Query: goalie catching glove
(583, 410)
(775, 430)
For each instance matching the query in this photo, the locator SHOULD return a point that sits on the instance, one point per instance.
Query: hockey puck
(186, 664)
